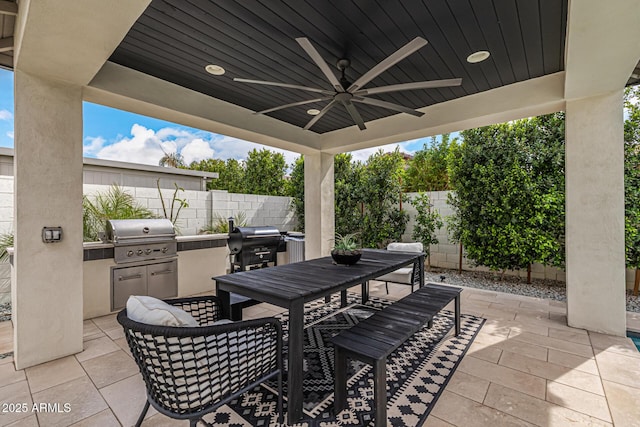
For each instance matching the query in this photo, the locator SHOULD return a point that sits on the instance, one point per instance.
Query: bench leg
(236, 312)
(327, 299)
(340, 385)
(380, 392)
(457, 314)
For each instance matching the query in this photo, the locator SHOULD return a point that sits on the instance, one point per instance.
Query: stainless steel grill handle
(133, 276)
(155, 273)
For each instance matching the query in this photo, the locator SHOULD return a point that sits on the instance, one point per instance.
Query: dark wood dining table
(291, 285)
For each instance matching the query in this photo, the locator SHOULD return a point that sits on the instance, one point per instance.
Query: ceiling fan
(346, 93)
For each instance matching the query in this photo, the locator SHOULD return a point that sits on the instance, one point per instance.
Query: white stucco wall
(6, 226)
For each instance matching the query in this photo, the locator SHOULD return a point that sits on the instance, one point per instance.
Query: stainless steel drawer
(127, 281)
(159, 280)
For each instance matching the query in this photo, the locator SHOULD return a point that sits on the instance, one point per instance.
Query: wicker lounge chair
(191, 371)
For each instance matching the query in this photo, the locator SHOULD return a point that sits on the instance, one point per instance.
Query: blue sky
(119, 135)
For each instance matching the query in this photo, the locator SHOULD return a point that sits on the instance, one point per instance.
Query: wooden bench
(374, 338)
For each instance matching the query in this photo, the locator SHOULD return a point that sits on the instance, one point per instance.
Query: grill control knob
(164, 250)
(130, 253)
(147, 251)
(139, 252)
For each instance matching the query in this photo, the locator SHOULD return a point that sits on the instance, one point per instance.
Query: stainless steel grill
(145, 251)
(136, 240)
(253, 247)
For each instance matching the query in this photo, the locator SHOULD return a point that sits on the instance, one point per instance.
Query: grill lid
(128, 231)
(251, 237)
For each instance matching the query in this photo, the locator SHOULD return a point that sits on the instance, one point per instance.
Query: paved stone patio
(526, 368)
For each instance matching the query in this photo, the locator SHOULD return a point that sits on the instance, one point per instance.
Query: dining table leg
(295, 373)
(225, 301)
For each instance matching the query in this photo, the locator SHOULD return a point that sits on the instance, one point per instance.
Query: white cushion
(153, 311)
(401, 275)
(405, 247)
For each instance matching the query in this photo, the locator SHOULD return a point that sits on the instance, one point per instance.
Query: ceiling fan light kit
(347, 93)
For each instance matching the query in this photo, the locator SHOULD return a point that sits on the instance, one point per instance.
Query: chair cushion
(152, 311)
(401, 275)
(405, 247)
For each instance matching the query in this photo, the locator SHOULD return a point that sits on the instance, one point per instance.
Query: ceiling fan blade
(355, 115)
(293, 104)
(388, 62)
(319, 115)
(410, 86)
(388, 105)
(320, 62)
(267, 83)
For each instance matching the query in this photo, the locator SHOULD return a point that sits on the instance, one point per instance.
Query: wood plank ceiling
(8, 11)
(175, 39)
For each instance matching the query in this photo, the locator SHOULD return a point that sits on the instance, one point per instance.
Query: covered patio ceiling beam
(121, 87)
(69, 40)
(8, 8)
(524, 99)
(6, 44)
(602, 47)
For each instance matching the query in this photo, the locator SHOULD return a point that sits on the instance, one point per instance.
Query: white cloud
(143, 147)
(6, 115)
(364, 154)
(92, 146)
(227, 147)
(147, 146)
(10, 134)
(196, 150)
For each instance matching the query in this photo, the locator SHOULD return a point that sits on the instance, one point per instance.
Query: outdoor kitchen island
(198, 258)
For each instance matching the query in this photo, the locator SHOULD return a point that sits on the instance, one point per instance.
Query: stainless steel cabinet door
(162, 279)
(127, 281)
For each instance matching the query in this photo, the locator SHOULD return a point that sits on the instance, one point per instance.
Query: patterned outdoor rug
(417, 372)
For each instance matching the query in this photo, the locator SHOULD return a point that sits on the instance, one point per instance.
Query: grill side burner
(145, 251)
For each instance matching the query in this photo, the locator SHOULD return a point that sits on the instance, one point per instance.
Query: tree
(348, 177)
(381, 191)
(632, 180)
(264, 172)
(295, 190)
(509, 193)
(171, 160)
(427, 170)
(427, 222)
(230, 174)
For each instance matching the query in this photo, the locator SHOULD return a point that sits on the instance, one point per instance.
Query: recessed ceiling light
(216, 70)
(313, 112)
(479, 56)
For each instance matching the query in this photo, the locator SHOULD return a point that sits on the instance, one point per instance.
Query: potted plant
(345, 250)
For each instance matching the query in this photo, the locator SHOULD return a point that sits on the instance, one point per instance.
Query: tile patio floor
(525, 368)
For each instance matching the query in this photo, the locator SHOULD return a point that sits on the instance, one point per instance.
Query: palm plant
(6, 241)
(114, 204)
(172, 160)
(220, 224)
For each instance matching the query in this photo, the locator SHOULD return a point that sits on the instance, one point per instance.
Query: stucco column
(595, 260)
(319, 205)
(47, 277)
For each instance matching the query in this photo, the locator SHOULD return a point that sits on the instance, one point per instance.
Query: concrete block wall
(191, 218)
(260, 210)
(447, 254)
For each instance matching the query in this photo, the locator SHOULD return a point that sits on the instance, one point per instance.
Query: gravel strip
(548, 289)
(5, 312)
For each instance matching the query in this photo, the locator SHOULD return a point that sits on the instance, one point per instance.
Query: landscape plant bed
(490, 281)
